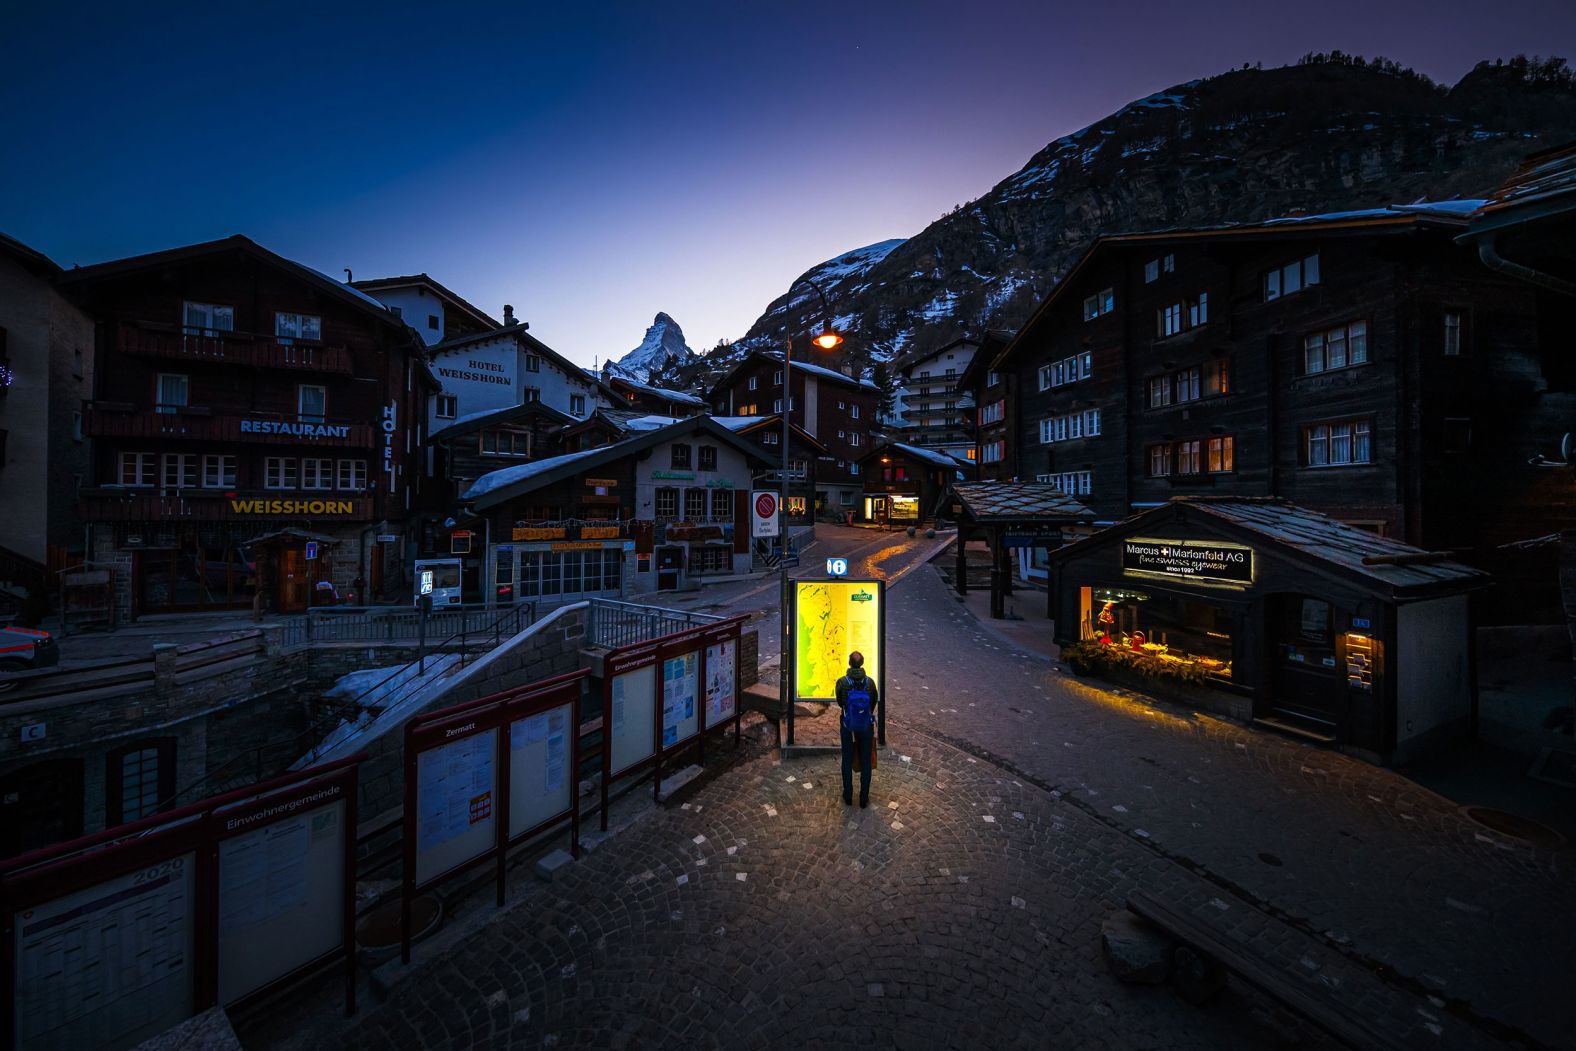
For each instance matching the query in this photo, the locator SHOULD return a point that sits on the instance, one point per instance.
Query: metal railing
(401, 623)
(611, 624)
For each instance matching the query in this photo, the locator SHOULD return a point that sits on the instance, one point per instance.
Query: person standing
(857, 697)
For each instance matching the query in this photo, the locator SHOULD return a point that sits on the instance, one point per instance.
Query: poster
(539, 773)
(678, 698)
(632, 696)
(833, 618)
(721, 684)
(108, 966)
(455, 783)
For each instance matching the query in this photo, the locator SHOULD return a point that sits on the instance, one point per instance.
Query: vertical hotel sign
(390, 423)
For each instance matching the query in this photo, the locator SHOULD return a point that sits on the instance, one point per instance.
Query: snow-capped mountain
(663, 347)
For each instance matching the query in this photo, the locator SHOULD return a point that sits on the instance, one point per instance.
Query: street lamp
(828, 339)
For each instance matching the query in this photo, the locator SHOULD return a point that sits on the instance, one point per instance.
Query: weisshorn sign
(1199, 560)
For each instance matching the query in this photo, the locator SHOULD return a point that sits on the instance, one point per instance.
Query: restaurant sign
(311, 508)
(1206, 561)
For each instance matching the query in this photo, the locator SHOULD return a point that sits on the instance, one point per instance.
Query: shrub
(1089, 656)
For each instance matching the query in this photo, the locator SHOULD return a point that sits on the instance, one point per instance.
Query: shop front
(1277, 615)
(554, 562)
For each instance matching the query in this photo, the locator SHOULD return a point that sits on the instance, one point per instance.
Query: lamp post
(826, 340)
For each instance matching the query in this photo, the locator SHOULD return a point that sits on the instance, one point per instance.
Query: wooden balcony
(125, 504)
(112, 420)
(230, 348)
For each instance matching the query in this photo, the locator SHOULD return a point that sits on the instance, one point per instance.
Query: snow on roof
(737, 423)
(648, 423)
(940, 459)
(832, 374)
(672, 395)
(1461, 209)
(353, 291)
(520, 472)
(470, 417)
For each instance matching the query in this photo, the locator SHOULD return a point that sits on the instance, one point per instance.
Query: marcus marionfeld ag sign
(1203, 561)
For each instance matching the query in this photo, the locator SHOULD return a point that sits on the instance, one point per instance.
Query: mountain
(1330, 133)
(663, 347)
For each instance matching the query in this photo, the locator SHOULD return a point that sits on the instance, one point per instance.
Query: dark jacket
(856, 675)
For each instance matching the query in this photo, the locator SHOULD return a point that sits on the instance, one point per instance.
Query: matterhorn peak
(664, 343)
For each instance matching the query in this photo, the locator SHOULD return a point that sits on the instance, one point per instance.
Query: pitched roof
(754, 424)
(1004, 503)
(31, 258)
(504, 484)
(1343, 549)
(475, 421)
(518, 331)
(934, 457)
(241, 243)
(476, 315)
(816, 370)
(1394, 219)
(659, 392)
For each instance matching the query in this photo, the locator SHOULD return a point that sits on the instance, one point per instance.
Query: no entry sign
(763, 514)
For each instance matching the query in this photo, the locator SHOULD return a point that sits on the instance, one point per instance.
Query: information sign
(541, 779)
(455, 786)
(311, 550)
(837, 567)
(426, 581)
(679, 688)
(833, 618)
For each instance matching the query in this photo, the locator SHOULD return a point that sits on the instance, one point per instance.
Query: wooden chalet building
(655, 401)
(905, 484)
(832, 407)
(437, 313)
(1359, 364)
(246, 407)
(991, 417)
(933, 406)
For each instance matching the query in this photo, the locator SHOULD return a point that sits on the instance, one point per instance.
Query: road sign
(763, 514)
(311, 549)
(426, 582)
(837, 567)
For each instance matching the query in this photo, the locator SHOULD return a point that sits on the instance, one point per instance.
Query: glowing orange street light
(828, 339)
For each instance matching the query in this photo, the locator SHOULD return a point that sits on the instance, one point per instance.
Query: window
(853, 468)
(708, 458)
(1293, 277)
(1198, 310)
(667, 502)
(777, 378)
(136, 469)
(398, 312)
(353, 475)
(139, 780)
(1218, 451)
(992, 378)
(317, 473)
(1170, 320)
(1335, 348)
(501, 441)
(432, 322)
(855, 439)
(1217, 378)
(1189, 384)
(218, 472)
(1045, 377)
(279, 472)
(1338, 443)
(577, 404)
(1159, 461)
(180, 471)
(1073, 483)
(443, 406)
(993, 413)
(1068, 370)
(1458, 434)
(769, 437)
(205, 319)
(1159, 392)
(311, 403)
(853, 412)
(298, 326)
(170, 392)
(1091, 422)
(1452, 346)
(694, 503)
(755, 383)
(529, 394)
(1151, 271)
(1187, 457)
(680, 456)
(1169, 263)
(722, 503)
(533, 363)
(1102, 302)
(992, 452)
(1075, 425)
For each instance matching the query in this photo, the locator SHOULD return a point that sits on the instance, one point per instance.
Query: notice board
(632, 715)
(831, 619)
(680, 701)
(456, 786)
(281, 893)
(722, 682)
(542, 777)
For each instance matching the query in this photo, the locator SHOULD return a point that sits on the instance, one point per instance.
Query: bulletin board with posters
(830, 620)
(483, 776)
(662, 694)
(117, 936)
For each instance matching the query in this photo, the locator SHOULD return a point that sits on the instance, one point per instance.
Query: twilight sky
(593, 164)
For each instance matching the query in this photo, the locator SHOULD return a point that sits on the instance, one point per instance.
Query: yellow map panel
(832, 618)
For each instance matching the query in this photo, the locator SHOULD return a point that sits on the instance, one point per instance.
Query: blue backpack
(856, 711)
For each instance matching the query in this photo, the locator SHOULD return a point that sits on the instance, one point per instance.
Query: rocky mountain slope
(1329, 133)
(662, 351)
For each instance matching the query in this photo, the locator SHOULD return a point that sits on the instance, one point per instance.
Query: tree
(881, 376)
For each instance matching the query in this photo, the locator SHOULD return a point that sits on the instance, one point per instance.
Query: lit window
(1219, 455)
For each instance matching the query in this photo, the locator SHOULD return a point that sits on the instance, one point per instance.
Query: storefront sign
(539, 533)
(673, 476)
(1200, 560)
(602, 483)
(578, 545)
(599, 532)
(905, 508)
(293, 507)
(390, 423)
(719, 483)
(296, 430)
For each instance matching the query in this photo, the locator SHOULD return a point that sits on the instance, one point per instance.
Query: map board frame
(150, 846)
(494, 715)
(653, 654)
(793, 670)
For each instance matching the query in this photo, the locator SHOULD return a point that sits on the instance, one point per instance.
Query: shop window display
(1171, 629)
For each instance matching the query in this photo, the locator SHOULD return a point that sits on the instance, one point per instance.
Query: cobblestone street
(1014, 808)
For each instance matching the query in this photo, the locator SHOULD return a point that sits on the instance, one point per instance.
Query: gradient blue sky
(593, 164)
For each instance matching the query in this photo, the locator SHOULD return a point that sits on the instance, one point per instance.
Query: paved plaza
(1014, 808)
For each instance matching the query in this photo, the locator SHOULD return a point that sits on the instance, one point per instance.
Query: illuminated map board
(832, 618)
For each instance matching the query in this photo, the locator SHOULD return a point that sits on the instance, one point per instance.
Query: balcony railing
(111, 420)
(230, 348)
(127, 504)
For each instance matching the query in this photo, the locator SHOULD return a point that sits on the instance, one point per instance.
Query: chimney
(848, 370)
(508, 315)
